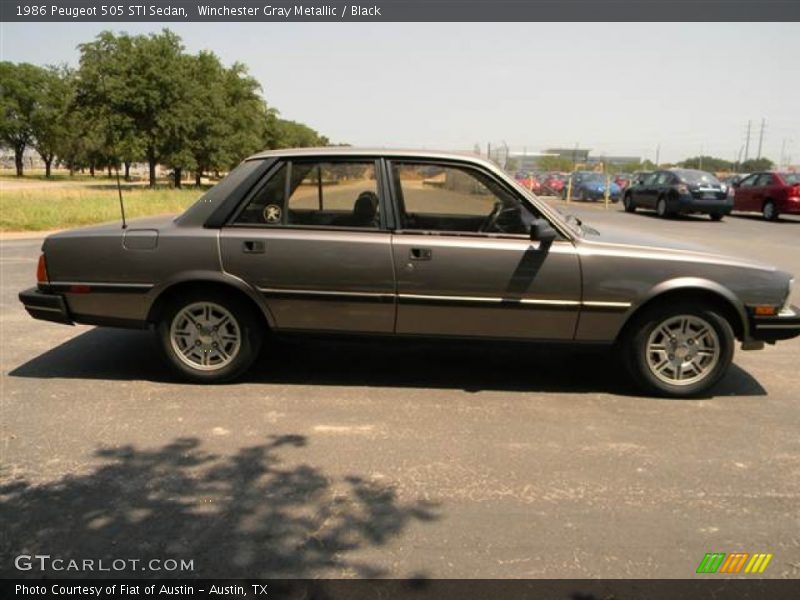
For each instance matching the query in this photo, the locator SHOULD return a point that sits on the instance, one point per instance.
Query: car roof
(387, 152)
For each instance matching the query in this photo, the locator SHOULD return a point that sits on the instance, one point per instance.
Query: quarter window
(435, 197)
(317, 194)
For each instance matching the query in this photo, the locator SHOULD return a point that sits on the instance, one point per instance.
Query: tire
(770, 212)
(627, 203)
(209, 337)
(716, 216)
(661, 208)
(654, 361)
(584, 196)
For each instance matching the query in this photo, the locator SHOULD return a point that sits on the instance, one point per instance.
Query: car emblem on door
(272, 213)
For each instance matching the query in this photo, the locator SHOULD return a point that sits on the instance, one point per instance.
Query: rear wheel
(770, 212)
(678, 350)
(716, 216)
(661, 208)
(209, 337)
(627, 203)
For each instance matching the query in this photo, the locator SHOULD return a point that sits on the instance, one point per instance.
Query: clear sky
(613, 87)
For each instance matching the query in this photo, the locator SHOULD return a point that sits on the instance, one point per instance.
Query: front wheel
(716, 216)
(209, 337)
(678, 350)
(627, 203)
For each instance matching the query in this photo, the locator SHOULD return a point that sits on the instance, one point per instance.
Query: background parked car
(589, 185)
(680, 191)
(771, 194)
(623, 180)
(554, 183)
(530, 181)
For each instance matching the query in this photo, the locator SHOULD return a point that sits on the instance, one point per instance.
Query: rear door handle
(253, 247)
(420, 254)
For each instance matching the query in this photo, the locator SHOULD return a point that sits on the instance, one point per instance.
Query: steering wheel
(492, 221)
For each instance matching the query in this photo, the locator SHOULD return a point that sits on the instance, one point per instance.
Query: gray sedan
(395, 243)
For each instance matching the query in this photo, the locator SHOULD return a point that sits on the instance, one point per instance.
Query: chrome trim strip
(324, 293)
(607, 304)
(778, 326)
(103, 284)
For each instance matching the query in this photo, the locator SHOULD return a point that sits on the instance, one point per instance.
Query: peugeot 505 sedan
(405, 244)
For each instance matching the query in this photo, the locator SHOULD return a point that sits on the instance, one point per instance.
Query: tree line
(141, 98)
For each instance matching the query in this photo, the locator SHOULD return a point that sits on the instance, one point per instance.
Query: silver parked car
(400, 243)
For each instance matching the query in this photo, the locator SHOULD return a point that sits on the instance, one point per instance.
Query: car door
(763, 190)
(646, 194)
(313, 239)
(744, 198)
(461, 274)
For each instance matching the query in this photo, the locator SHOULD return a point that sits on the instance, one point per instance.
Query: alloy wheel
(205, 336)
(683, 350)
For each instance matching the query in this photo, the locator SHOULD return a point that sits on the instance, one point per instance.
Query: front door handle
(253, 247)
(420, 254)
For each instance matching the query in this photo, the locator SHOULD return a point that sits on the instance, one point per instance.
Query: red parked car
(553, 183)
(771, 194)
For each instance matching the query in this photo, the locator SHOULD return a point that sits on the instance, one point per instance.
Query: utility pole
(761, 136)
(747, 143)
(658, 152)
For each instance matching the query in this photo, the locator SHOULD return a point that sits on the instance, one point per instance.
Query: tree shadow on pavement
(245, 515)
(472, 366)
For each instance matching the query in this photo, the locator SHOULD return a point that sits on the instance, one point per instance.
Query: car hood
(620, 238)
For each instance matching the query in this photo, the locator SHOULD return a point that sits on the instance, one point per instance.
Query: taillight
(41, 270)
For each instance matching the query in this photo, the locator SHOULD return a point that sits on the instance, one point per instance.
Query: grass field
(58, 207)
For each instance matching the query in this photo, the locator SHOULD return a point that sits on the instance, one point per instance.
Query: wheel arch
(691, 289)
(205, 280)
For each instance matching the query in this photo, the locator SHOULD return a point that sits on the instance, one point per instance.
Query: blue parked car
(588, 185)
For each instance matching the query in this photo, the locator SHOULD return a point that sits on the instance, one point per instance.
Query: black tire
(716, 216)
(770, 211)
(250, 336)
(627, 203)
(661, 208)
(636, 355)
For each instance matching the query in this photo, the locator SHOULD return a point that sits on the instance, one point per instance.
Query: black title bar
(398, 10)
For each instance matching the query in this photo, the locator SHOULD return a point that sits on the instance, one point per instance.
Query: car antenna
(114, 156)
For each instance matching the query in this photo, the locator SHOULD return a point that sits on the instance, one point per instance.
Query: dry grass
(59, 207)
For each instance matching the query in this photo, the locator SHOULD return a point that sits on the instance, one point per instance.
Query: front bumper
(45, 306)
(783, 326)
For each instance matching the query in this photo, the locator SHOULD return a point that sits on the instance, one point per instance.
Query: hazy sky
(614, 88)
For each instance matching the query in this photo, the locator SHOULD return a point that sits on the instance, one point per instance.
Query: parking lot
(408, 459)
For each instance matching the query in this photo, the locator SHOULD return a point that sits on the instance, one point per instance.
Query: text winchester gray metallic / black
(391, 242)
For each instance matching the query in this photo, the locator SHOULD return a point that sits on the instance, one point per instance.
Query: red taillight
(41, 270)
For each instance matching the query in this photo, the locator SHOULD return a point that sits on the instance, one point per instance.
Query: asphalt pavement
(367, 458)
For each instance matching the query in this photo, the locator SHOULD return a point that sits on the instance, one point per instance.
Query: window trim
(390, 163)
(288, 162)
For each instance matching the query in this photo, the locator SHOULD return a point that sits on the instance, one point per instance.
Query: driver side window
(446, 198)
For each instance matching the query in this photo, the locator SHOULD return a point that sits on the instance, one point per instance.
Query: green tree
(139, 86)
(707, 163)
(19, 98)
(49, 118)
(756, 164)
(281, 133)
(554, 163)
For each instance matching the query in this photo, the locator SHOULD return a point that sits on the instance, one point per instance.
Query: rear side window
(317, 194)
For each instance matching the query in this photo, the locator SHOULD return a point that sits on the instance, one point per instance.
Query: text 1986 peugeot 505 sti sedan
(404, 243)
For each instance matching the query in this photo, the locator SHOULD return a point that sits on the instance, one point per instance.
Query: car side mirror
(542, 231)
(736, 184)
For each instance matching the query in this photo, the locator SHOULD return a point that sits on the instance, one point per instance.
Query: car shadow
(781, 220)
(677, 218)
(472, 366)
(258, 512)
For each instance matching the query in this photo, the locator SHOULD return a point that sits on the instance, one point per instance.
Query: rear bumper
(783, 326)
(45, 306)
(709, 206)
